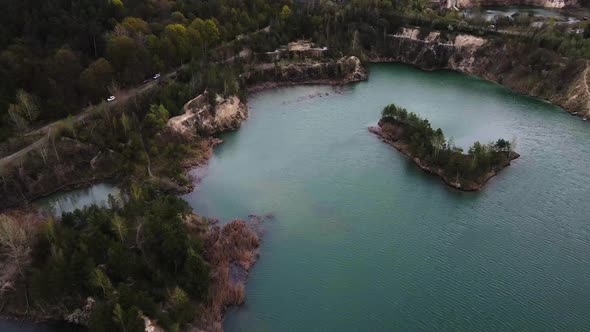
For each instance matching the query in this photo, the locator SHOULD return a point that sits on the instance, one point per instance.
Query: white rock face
(185, 123)
(230, 113)
(201, 118)
(357, 73)
(456, 4)
(150, 325)
(554, 4)
(469, 41)
(409, 33)
(461, 41)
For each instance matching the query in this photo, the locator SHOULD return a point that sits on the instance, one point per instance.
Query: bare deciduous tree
(53, 135)
(438, 142)
(16, 117)
(43, 150)
(16, 240)
(118, 224)
(25, 111)
(28, 105)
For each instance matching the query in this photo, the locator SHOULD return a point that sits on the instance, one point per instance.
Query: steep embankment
(266, 76)
(538, 3)
(539, 73)
(200, 117)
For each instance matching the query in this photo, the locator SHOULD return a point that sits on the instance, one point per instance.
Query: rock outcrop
(81, 316)
(200, 117)
(345, 70)
(535, 72)
(431, 50)
(455, 4)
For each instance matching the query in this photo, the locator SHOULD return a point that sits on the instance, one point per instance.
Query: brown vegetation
(231, 250)
(17, 234)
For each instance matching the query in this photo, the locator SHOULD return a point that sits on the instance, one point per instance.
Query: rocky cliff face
(537, 72)
(200, 117)
(539, 3)
(345, 70)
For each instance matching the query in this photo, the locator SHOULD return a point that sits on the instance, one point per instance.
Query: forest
(136, 257)
(58, 56)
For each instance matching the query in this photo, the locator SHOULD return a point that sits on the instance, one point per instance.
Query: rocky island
(428, 148)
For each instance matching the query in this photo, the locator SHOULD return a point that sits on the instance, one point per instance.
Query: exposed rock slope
(345, 70)
(200, 117)
(535, 72)
(538, 3)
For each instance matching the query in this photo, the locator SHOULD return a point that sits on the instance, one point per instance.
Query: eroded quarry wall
(538, 3)
(535, 72)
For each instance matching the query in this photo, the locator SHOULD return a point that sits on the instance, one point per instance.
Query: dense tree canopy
(68, 53)
(53, 49)
(136, 257)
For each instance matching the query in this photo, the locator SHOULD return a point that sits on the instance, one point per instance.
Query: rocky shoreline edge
(562, 81)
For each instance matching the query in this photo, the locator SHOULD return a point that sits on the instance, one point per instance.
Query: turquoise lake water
(364, 241)
(69, 201)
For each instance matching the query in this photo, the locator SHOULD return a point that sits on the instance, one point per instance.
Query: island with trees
(432, 152)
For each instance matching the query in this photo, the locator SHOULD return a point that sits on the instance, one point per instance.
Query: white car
(157, 76)
(111, 98)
